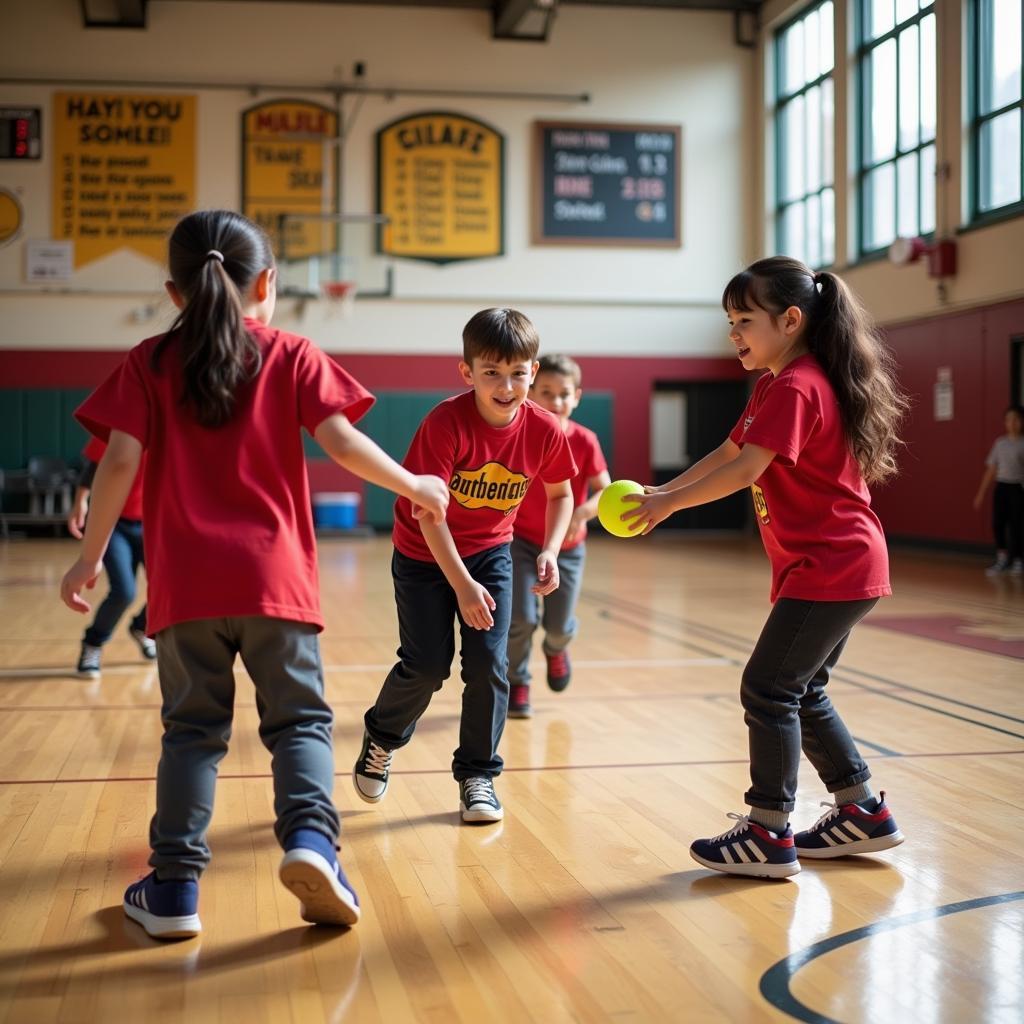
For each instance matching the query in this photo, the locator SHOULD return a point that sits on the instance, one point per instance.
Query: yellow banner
(440, 180)
(290, 165)
(125, 170)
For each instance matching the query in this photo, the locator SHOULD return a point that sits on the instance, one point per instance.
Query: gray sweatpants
(195, 661)
(556, 612)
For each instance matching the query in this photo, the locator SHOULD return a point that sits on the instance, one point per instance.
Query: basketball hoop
(340, 295)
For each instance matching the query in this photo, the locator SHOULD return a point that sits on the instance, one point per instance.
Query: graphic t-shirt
(489, 472)
(589, 459)
(813, 507)
(227, 519)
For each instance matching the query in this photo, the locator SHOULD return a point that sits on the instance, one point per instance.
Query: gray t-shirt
(1007, 456)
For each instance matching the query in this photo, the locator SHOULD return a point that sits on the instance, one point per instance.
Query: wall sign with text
(290, 166)
(441, 183)
(124, 171)
(611, 184)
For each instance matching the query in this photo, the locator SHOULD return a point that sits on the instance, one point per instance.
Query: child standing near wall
(1005, 467)
(218, 404)
(491, 444)
(820, 424)
(122, 559)
(557, 388)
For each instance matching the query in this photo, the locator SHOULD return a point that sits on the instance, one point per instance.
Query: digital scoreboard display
(20, 133)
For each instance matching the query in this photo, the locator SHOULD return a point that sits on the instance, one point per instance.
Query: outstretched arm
(721, 456)
(352, 449)
(733, 476)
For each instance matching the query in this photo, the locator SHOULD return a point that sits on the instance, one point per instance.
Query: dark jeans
(427, 610)
(122, 560)
(786, 707)
(1008, 519)
(196, 660)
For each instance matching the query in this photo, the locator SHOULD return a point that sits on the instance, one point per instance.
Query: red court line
(521, 770)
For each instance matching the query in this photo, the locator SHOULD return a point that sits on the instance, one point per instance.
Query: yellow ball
(610, 507)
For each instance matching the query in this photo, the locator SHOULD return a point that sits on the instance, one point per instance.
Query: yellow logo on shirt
(760, 505)
(491, 486)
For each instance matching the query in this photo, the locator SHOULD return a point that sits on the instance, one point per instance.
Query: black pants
(1008, 519)
(427, 609)
(786, 707)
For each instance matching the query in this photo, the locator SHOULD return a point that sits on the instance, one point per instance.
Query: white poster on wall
(49, 260)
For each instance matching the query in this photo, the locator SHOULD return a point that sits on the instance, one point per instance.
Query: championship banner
(290, 165)
(125, 171)
(441, 183)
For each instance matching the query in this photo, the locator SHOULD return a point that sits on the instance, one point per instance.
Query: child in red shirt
(218, 404)
(491, 444)
(820, 425)
(557, 389)
(122, 559)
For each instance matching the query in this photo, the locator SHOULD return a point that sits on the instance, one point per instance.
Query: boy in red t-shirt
(490, 444)
(557, 389)
(122, 559)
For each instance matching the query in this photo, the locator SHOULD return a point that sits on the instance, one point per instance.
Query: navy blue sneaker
(748, 849)
(167, 910)
(310, 871)
(847, 829)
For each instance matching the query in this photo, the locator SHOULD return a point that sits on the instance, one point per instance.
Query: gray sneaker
(478, 801)
(89, 662)
(371, 771)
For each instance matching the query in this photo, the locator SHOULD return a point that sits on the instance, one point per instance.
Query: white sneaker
(998, 567)
(1016, 568)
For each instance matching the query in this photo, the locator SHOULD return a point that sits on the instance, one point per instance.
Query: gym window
(896, 115)
(805, 203)
(997, 166)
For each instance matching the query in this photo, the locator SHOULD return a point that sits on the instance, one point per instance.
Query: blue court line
(776, 980)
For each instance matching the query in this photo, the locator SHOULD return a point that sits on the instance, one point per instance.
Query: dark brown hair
(842, 338)
(556, 363)
(504, 334)
(214, 257)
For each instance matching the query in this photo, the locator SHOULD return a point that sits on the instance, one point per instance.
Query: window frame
(780, 102)
(865, 209)
(976, 216)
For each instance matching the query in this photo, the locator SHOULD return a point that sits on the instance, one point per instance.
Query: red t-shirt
(587, 454)
(488, 470)
(227, 521)
(93, 451)
(813, 507)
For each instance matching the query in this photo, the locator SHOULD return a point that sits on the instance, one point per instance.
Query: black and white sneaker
(478, 801)
(147, 648)
(370, 774)
(89, 662)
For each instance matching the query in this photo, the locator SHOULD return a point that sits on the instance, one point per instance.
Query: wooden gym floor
(583, 905)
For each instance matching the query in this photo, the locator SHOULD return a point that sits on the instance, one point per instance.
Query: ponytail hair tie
(216, 254)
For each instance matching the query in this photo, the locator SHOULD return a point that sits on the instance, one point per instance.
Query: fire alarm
(941, 254)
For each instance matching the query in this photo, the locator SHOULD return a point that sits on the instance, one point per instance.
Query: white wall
(990, 259)
(638, 65)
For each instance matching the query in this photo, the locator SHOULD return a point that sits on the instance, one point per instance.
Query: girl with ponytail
(820, 425)
(218, 403)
